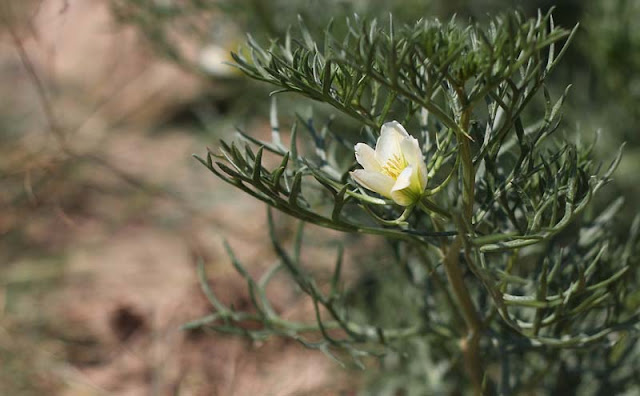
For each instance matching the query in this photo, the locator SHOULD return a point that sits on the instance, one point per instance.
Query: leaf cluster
(341, 337)
(425, 66)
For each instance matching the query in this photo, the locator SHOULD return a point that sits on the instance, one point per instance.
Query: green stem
(471, 344)
(468, 170)
(429, 207)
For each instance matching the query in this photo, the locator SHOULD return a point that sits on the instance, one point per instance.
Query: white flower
(214, 60)
(396, 168)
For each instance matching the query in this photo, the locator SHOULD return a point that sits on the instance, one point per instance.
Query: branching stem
(470, 345)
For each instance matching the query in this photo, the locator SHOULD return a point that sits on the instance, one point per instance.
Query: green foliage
(421, 67)
(510, 267)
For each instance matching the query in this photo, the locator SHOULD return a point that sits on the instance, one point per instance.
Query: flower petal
(403, 198)
(404, 179)
(374, 181)
(423, 175)
(406, 191)
(413, 154)
(411, 150)
(396, 126)
(366, 157)
(419, 179)
(388, 144)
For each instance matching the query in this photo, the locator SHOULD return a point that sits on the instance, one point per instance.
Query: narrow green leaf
(296, 188)
(257, 165)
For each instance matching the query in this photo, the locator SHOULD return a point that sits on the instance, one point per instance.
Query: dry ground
(103, 215)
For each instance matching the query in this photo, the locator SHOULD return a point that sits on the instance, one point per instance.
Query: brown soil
(100, 238)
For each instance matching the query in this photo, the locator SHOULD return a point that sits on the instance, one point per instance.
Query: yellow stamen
(394, 166)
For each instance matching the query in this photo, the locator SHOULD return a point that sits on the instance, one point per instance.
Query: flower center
(394, 166)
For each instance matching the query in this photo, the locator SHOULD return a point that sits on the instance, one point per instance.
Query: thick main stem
(471, 345)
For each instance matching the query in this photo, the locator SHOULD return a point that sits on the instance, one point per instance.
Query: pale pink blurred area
(101, 230)
(98, 62)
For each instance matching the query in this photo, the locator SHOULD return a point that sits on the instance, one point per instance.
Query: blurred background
(104, 213)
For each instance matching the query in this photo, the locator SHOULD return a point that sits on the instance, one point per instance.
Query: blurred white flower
(396, 168)
(213, 58)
